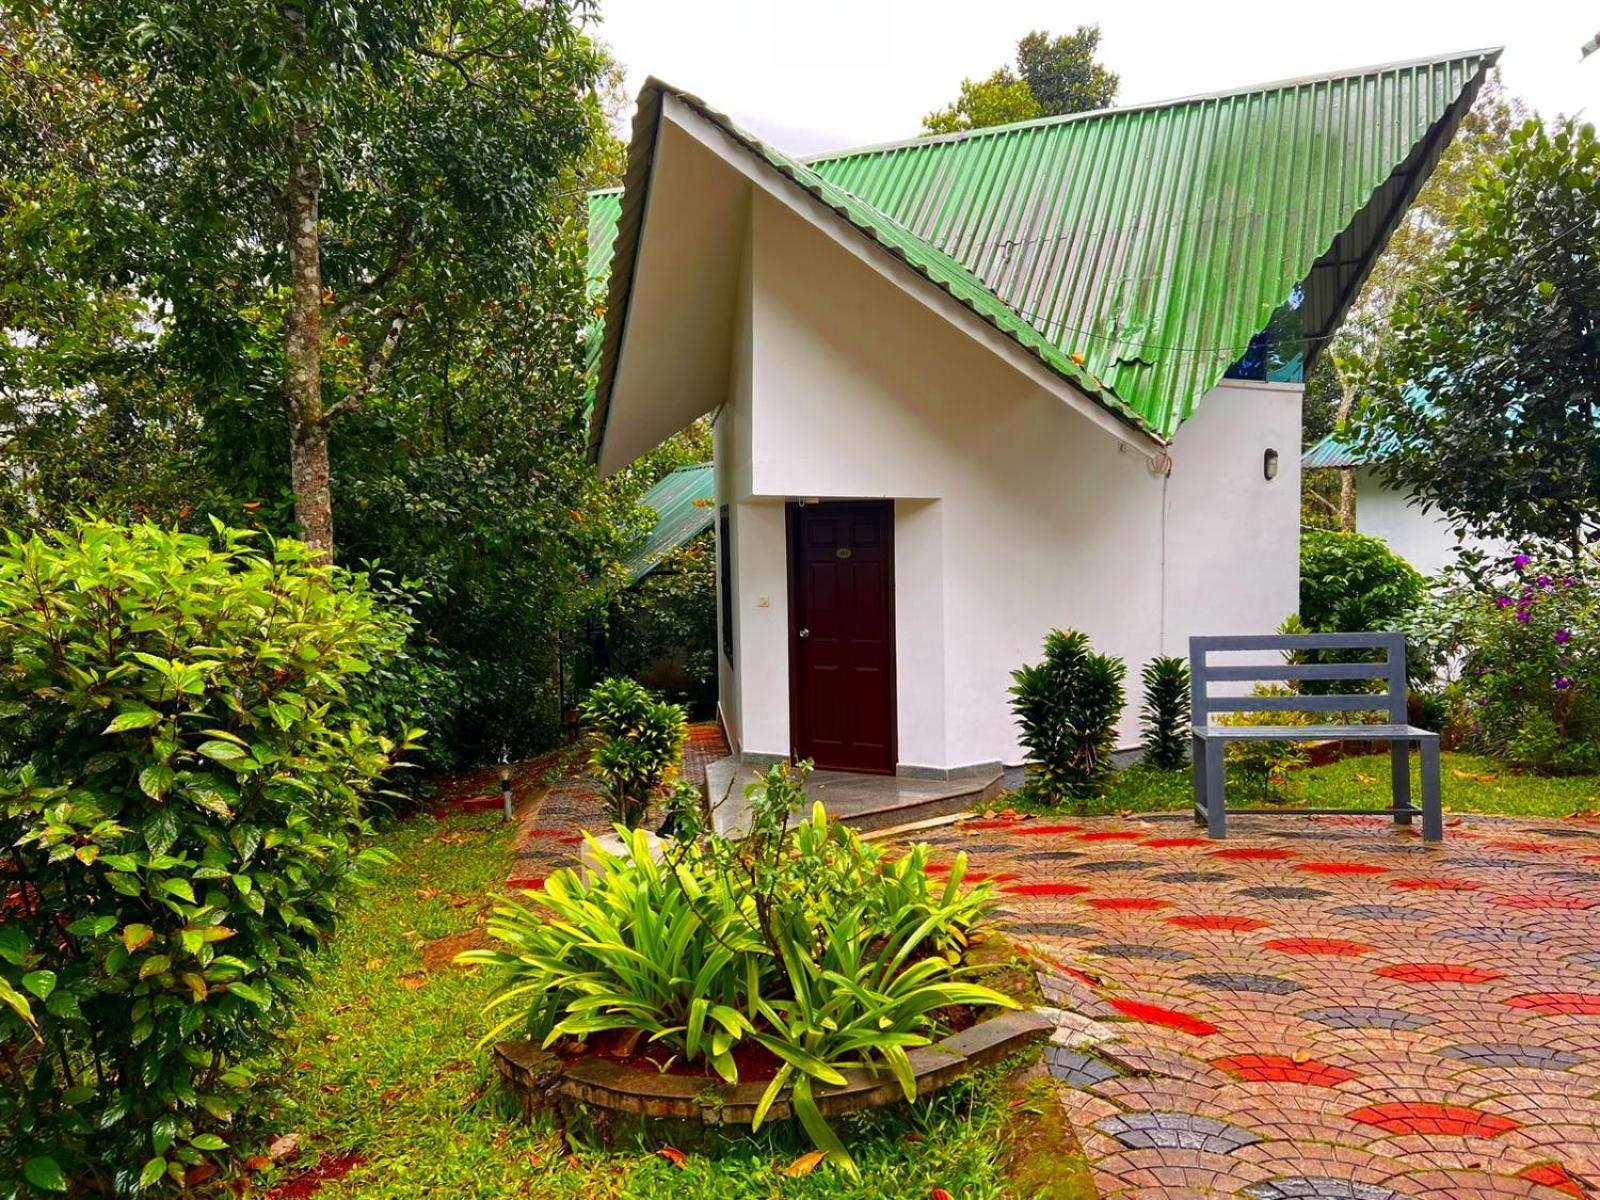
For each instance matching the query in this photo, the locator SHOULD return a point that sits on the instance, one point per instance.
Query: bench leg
(1216, 802)
(1432, 806)
(1197, 768)
(1400, 773)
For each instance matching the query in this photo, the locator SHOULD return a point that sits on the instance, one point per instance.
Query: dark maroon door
(842, 635)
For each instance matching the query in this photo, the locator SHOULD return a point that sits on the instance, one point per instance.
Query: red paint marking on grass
(1173, 843)
(1033, 829)
(1110, 835)
(1436, 884)
(1341, 868)
(1437, 973)
(1551, 1175)
(1279, 1068)
(1568, 902)
(1219, 921)
(309, 1183)
(1313, 945)
(1450, 1120)
(1127, 903)
(1253, 853)
(1045, 889)
(1553, 1003)
(1154, 1014)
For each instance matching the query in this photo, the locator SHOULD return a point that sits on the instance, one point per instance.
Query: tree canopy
(1053, 76)
(1483, 400)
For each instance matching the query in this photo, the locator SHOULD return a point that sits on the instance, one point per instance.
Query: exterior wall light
(1269, 464)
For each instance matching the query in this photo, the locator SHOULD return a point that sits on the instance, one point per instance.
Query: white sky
(811, 75)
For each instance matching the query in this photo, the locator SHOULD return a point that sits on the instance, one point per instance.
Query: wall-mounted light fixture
(1269, 464)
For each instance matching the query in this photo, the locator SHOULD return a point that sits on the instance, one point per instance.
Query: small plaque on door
(842, 552)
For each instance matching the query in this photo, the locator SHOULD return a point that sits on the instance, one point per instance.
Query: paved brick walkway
(1317, 1007)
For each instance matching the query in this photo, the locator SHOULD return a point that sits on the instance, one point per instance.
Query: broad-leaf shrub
(636, 738)
(1165, 715)
(813, 944)
(181, 792)
(1353, 583)
(1067, 707)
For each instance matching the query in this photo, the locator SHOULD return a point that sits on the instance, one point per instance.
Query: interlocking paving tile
(1176, 1130)
(1383, 912)
(1054, 855)
(1194, 877)
(1587, 959)
(1366, 1016)
(1509, 1054)
(1552, 1175)
(1117, 864)
(1318, 1187)
(1126, 903)
(1156, 1014)
(1342, 868)
(1331, 947)
(1078, 1069)
(1489, 862)
(1438, 973)
(1498, 935)
(1282, 892)
(1449, 1119)
(1584, 1003)
(1565, 831)
(1136, 950)
(1218, 922)
(1242, 981)
(1044, 889)
(1253, 853)
(1061, 929)
(1281, 1068)
(1571, 876)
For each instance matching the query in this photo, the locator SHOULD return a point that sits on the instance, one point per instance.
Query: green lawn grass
(1468, 784)
(382, 1064)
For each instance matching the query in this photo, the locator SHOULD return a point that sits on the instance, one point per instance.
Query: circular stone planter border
(603, 1090)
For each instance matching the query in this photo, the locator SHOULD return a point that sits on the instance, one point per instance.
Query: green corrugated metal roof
(685, 506)
(1137, 251)
(1332, 451)
(605, 210)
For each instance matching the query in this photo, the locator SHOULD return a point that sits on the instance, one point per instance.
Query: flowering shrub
(1530, 666)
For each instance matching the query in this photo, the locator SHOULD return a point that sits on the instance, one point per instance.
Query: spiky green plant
(1165, 715)
(635, 738)
(1067, 707)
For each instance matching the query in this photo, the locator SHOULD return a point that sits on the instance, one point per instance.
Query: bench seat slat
(1312, 733)
(1345, 702)
(1298, 641)
(1252, 672)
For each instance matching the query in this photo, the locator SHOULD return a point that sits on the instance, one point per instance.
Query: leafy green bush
(1165, 716)
(1352, 583)
(809, 942)
(181, 792)
(636, 739)
(1068, 707)
(1266, 764)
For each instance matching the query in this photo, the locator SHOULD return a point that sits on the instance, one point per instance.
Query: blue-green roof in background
(685, 505)
(1135, 251)
(1332, 451)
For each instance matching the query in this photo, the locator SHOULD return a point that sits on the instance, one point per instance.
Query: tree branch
(377, 363)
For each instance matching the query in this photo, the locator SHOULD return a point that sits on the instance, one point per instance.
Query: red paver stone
(1437, 884)
(1045, 889)
(1551, 1175)
(1218, 921)
(1253, 853)
(1038, 829)
(1569, 902)
(1110, 835)
(1450, 1120)
(1438, 973)
(1315, 945)
(1127, 903)
(1586, 1003)
(1279, 1068)
(1341, 868)
(1154, 1014)
(1173, 843)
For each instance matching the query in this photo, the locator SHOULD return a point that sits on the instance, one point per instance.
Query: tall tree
(1485, 401)
(321, 172)
(1053, 76)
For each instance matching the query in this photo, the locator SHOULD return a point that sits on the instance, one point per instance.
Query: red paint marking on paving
(1045, 889)
(1571, 902)
(1003, 823)
(1581, 1003)
(1036, 829)
(1436, 884)
(532, 883)
(1552, 1175)
(1166, 843)
(1154, 1014)
(1525, 847)
(1110, 835)
(1279, 1068)
(1252, 854)
(1313, 945)
(1128, 903)
(1219, 921)
(1438, 973)
(1341, 868)
(1448, 1119)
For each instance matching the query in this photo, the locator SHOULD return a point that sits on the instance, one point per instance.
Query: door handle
(805, 633)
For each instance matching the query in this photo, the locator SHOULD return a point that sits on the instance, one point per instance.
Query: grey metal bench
(1210, 741)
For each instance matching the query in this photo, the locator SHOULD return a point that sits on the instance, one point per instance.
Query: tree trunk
(1347, 475)
(302, 346)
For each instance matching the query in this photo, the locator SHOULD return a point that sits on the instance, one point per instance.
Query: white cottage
(967, 389)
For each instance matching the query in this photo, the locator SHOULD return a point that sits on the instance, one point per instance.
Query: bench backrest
(1392, 670)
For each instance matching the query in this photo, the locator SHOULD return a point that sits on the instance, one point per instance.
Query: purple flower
(1522, 560)
(1563, 636)
(1504, 601)
(1523, 615)
(1562, 683)
(1568, 581)
(1544, 581)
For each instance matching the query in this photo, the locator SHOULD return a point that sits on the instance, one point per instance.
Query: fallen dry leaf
(414, 982)
(283, 1146)
(1360, 778)
(427, 893)
(804, 1165)
(374, 963)
(256, 1162)
(674, 1156)
(913, 1137)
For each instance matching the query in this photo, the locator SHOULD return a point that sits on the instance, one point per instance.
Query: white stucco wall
(1424, 539)
(1014, 514)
